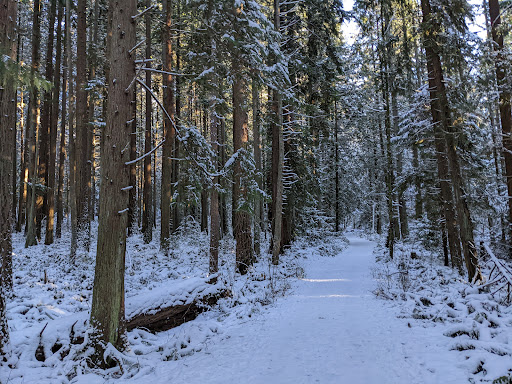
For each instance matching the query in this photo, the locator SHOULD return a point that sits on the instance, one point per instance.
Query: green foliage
(503, 380)
(20, 74)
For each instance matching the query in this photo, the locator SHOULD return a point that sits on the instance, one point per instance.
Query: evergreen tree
(107, 312)
(8, 80)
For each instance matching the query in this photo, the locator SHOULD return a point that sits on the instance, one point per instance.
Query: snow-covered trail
(331, 329)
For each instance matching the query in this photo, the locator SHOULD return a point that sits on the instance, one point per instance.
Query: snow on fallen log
(156, 310)
(167, 307)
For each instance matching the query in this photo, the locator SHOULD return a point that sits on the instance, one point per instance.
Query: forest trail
(330, 329)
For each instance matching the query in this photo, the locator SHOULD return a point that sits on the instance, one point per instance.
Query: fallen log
(169, 307)
(157, 309)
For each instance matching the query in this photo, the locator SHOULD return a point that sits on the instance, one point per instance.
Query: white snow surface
(313, 319)
(330, 329)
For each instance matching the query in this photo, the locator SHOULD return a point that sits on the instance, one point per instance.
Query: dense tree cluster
(251, 117)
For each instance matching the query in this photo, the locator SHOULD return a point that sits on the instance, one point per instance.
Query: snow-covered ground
(473, 322)
(314, 319)
(329, 329)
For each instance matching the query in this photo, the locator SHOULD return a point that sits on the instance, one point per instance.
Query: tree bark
(54, 118)
(504, 100)
(242, 229)
(176, 210)
(256, 126)
(385, 62)
(443, 126)
(204, 191)
(214, 199)
(23, 176)
(34, 126)
(147, 204)
(418, 199)
(169, 130)
(222, 198)
(82, 146)
(8, 41)
(46, 112)
(214, 194)
(165, 318)
(59, 206)
(277, 162)
(107, 312)
(402, 205)
(443, 173)
(132, 207)
(91, 132)
(336, 170)
(72, 149)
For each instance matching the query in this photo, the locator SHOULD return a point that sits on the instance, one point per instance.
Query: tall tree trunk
(72, 148)
(8, 42)
(54, 119)
(176, 211)
(214, 136)
(418, 199)
(46, 112)
(132, 206)
(256, 126)
(24, 188)
(14, 144)
(442, 122)
(169, 129)
(277, 162)
(504, 99)
(23, 175)
(214, 200)
(83, 168)
(91, 132)
(204, 191)
(62, 144)
(154, 194)
(33, 138)
(497, 142)
(147, 204)
(385, 62)
(443, 173)
(444, 239)
(402, 207)
(107, 312)
(242, 230)
(222, 198)
(336, 170)
(288, 208)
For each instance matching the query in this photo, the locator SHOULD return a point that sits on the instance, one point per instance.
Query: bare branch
(145, 155)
